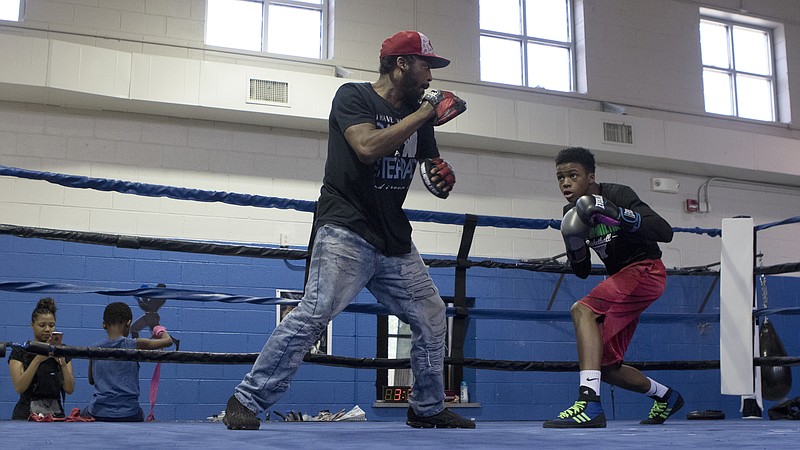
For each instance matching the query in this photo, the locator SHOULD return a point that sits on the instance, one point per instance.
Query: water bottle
(464, 397)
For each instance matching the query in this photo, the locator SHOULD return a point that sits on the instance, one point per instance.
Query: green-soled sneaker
(663, 409)
(583, 414)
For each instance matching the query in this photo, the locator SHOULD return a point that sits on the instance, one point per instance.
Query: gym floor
(695, 434)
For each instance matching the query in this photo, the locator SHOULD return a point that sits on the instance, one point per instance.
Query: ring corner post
(737, 296)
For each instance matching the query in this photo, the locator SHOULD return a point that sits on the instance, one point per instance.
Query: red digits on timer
(395, 394)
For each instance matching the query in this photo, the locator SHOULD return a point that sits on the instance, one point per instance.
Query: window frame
(323, 8)
(524, 39)
(733, 73)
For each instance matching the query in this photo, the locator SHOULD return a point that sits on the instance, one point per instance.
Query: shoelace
(573, 410)
(658, 409)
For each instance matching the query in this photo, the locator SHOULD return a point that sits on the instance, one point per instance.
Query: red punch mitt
(446, 104)
(438, 176)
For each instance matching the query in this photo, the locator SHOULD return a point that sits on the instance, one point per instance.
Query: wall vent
(268, 92)
(617, 133)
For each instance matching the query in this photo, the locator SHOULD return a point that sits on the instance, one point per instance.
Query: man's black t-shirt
(617, 248)
(368, 198)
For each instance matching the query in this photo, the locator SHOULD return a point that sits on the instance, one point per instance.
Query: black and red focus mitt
(446, 104)
(438, 176)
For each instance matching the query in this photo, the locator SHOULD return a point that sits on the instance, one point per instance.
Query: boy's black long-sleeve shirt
(618, 248)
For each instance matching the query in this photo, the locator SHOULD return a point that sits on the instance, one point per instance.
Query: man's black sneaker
(445, 419)
(239, 417)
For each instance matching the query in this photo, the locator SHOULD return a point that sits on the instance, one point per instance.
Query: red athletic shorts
(621, 298)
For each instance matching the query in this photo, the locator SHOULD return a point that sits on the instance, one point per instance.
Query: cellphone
(56, 337)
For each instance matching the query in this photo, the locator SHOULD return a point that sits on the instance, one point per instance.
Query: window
(11, 10)
(287, 27)
(738, 71)
(399, 346)
(394, 342)
(527, 43)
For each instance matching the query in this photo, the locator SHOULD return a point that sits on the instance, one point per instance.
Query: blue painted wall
(193, 392)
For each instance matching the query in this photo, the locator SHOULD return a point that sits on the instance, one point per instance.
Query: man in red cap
(378, 134)
(412, 43)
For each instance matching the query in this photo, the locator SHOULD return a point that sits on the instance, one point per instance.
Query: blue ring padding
(200, 195)
(365, 308)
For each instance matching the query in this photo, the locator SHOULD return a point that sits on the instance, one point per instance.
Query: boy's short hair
(117, 313)
(578, 155)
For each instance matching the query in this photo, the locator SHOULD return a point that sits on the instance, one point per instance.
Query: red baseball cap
(412, 43)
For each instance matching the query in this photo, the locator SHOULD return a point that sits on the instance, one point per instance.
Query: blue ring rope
(364, 308)
(200, 195)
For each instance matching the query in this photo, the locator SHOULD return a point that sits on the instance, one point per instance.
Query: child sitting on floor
(116, 383)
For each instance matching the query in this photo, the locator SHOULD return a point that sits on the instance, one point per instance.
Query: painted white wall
(127, 90)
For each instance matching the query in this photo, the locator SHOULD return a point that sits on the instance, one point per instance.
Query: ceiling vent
(617, 133)
(268, 92)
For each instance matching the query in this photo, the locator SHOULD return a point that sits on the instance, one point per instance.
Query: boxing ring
(387, 435)
(382, 429)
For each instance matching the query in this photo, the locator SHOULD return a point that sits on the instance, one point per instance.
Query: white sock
(656, 389)
(591, 379)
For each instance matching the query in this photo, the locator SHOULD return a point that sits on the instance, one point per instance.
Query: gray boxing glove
(575, 231)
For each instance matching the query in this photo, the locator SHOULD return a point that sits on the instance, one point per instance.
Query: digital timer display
(396, 394)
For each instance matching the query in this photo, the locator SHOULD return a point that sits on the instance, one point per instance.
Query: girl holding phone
(41, 381)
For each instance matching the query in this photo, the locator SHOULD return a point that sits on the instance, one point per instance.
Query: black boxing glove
(438, 176)
(575, 231)
(594, 209)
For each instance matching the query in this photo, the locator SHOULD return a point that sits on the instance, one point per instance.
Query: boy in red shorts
(623, 231)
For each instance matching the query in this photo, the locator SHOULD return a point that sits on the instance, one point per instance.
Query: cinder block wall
(194, 392)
